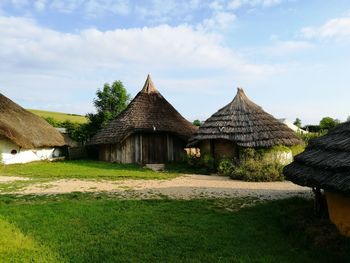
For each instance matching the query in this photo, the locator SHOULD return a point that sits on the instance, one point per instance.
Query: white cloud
(24, 43)
(285, 48)
(40, 5)
(235, 4)
(162, 11)
(334, 29)
(65, 6)
(92, 7)
(51, 64)
(217, 5)
(220, 20)
(19, 3)
(99, 7)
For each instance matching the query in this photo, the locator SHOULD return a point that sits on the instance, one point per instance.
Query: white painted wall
(23, 155)
(292, 126)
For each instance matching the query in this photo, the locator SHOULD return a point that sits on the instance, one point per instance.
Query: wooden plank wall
(219, 149)
(224, 148)
(144, 148)
(178, 149)
(75, 153)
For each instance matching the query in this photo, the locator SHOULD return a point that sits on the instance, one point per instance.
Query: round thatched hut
(244, 124)
(148, 131)
(25, 137)
(325, 164)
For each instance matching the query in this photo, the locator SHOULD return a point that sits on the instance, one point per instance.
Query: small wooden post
(320, 203)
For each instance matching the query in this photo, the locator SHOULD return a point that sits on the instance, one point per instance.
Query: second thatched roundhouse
(241, 123)
(148, 131)
(25, 137)
(325, 164)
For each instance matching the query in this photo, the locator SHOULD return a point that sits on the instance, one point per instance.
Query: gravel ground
(184, 187)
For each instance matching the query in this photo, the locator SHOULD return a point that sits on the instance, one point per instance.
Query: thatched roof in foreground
(325, 162)
(246, 124)
(25, 128)
(149, 111)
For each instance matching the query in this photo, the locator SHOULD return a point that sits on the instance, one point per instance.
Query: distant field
(60, 116)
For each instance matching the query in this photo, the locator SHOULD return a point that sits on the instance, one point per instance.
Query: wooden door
(154, 148)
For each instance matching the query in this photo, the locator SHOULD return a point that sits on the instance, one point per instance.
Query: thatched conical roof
(149, 111)
(25, 128)
(325, 162)
(246, 124)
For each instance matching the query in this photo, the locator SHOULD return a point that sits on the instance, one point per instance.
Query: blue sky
(291, 56)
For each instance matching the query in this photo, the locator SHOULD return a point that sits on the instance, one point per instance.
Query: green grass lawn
(97, 228)
(59, 116)
(82, 169)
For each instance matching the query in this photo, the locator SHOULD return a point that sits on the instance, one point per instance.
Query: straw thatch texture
(26, 129)
(246, 124)
(149, 111)
(325, 163)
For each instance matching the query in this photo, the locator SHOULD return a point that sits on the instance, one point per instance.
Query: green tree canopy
(328, 123)
(297, 122)
(109, 102)
(197, 123)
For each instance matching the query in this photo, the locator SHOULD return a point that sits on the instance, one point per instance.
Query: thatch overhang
(246, 124)
(148, 112)
(24, 128)
(325, 163)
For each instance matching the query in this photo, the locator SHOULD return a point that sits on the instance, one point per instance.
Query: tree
(197, 123)
(348, 119)
(328, 123)
(52, 122)
(297, 122)
(109, 102)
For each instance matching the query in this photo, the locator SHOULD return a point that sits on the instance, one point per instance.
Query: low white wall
(281, 157)
(22, 155)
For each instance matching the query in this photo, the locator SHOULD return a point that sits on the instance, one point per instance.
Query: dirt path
(184, 187)
(8, 179)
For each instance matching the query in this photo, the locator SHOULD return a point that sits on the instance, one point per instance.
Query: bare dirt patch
(9, 179)
(184, 187)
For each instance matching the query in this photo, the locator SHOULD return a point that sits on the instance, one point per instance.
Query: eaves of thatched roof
(149, 111)
(26, 129)
(325, 163)
(246, 124)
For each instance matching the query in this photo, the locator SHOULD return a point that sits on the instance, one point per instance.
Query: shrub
(77, 131)
(207, 161)
(191, 160)
(259, 165)
(189, 164)
(306, 137)
(298, 149)
(226, 167)
(258, 171)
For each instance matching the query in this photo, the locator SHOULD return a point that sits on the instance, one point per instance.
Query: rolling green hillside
(60, 116)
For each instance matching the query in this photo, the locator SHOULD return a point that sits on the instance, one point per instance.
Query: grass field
(58, 116)
(82, 170)
(93, 228)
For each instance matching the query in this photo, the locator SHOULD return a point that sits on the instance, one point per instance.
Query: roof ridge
(149, 86)
(242, 102)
